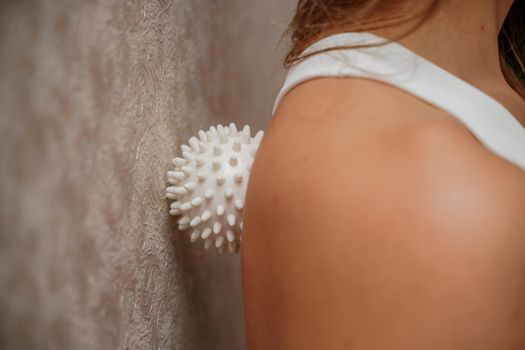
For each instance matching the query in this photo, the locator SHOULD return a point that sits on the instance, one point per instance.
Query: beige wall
(95, 99)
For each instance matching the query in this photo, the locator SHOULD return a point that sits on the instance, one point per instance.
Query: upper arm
(402, 237)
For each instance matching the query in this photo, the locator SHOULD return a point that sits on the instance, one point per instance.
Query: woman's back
(380, 230)
(383, 224)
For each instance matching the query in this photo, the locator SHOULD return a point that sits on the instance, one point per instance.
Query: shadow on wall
(96, 98)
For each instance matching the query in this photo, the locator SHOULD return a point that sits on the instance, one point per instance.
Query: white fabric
(492, 124)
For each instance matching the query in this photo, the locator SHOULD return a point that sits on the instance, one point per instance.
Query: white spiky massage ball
(208, 185)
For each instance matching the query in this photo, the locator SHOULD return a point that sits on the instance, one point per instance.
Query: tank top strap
(488, 120)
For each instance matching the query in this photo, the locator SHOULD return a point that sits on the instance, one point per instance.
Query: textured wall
(95, 99)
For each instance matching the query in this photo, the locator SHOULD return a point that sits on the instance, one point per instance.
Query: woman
(387, 211)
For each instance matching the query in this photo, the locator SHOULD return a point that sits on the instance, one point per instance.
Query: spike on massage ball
(207, 187)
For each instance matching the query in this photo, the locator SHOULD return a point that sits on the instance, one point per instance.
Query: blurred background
(95, 99)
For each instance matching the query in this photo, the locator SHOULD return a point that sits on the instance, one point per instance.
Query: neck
(461, 37)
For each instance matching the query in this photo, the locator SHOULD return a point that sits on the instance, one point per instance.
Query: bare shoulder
(369, 225)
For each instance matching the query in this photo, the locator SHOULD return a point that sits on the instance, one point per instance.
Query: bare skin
(385, 225)
(461, 37)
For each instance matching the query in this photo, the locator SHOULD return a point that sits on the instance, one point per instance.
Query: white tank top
(488, 120)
